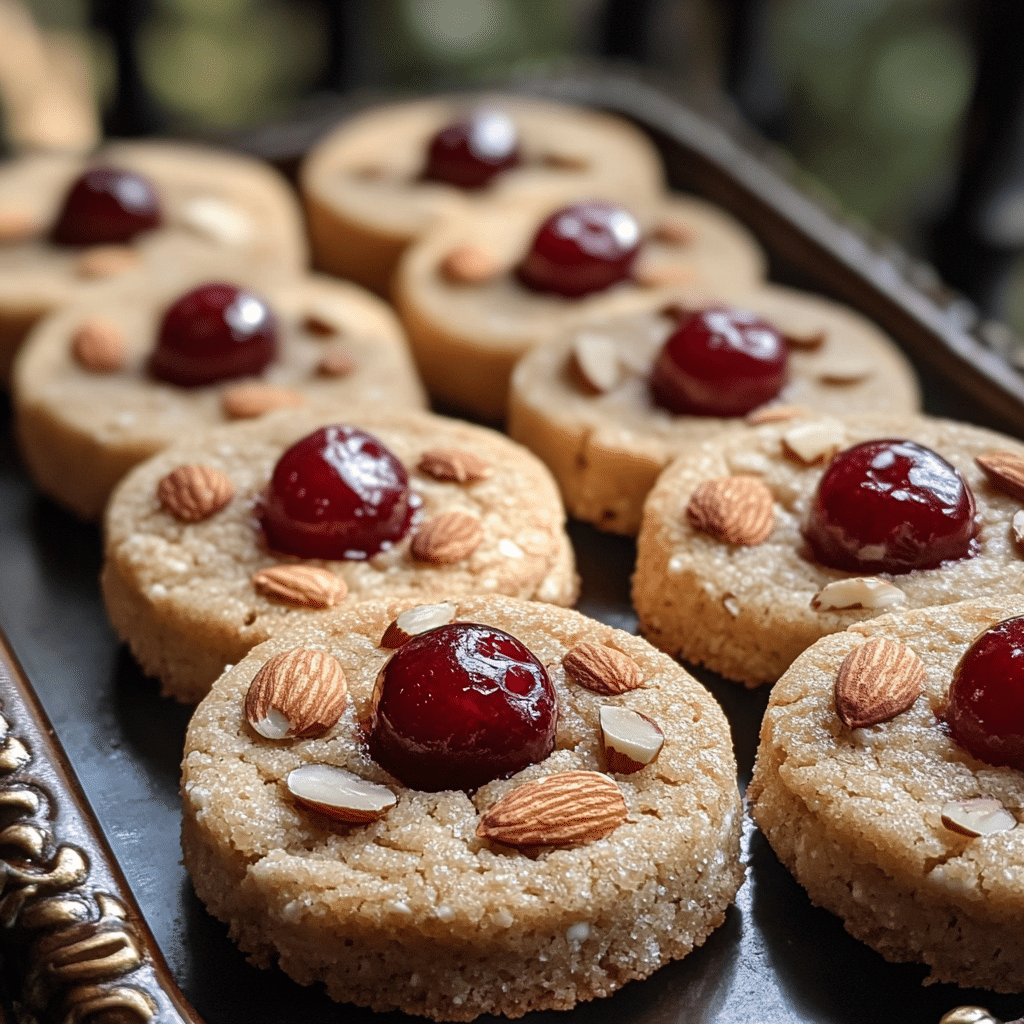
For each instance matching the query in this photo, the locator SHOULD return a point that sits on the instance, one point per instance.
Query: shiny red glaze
(472, 151)
(719, 362)
(214, 332)
(891, 506)
(107, 205)
(460, 705)
(337, 493)
(985, 713)
(581, 249)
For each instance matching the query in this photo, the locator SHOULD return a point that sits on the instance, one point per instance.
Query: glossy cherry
(891, 506)
(107, 205)
(581, 249)
(460, 705)
(470, 152)
(985, 712)
(214, 332)
(719, 362)
(337, 493)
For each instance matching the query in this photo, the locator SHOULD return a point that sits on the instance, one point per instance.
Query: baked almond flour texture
(611, 849)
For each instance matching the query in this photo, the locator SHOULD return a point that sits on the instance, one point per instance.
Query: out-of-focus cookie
(424, 506)
(549, 887)
(585, 403)
(755, 544)
(383, 177)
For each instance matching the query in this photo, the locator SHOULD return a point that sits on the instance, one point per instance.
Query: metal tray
(776, 959)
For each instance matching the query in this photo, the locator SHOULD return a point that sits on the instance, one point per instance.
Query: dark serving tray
(776, 958)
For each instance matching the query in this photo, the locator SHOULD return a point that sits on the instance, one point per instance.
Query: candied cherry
(107, 205)
(719, 362)
(580, 249)
(337, 493)
(470, 152)
(985, 713)
(460, 705)
(213, 333)
(891, 506)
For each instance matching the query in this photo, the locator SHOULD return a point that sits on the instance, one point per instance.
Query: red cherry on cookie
(214, 332)
(581, 249)
(472, 151)
(337, 493)
(460, 705)
(985, 713)
(891, 506)
(719, 362)
(107, 205)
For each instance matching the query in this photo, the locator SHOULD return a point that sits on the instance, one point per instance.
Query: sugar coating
(606, 449)
(181, 594)
(856, 814)
(413, 912)
(746, 611)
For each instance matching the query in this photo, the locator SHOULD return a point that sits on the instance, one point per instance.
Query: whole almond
(468, 264)
(565, 161)
(673, 232)
(16, 225)
(300, 692)
(733, 509)
(596, 361)
(808, 340)
(106, 261)
(569, 807)
(876, 682)
(1005, 471)
(447, 538)
(305, 586)
(247, 401)
(100, 347)
(602, 669)
(338, 794)
(414, 621)
(320, 324)
(336, 362)
(456, 465)
(194, 492)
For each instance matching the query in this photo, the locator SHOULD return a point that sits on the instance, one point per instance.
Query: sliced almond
(1017, 528)
(247, 401)
(100, 347)
(629, 740)
(107, 261)
(876, 682)
(468, 264)
(980, 816)
(570, 807)
(774, 414)
(320, 324)
(304, 586)
(336, 362)
(414, 621)
(455, 465)
(870, 592)
(602, 669)
(1005, 471)
(970, 1015)
(733, 509)
(808, 340)
(846, 371)
(447, 538)
(673, 232)
(16, 225)
(339, 794)
(300, 692)
(194, 492)
(813, 442)
(218, 221)
(657, 275)
(596, 361)
(565, 161)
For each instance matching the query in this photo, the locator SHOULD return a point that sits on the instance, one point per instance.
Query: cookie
(211, 207)
(725, 576)
(88, 407)
(365, 193)
(880, 823)
(469, 317)
(417, 910)
(485, 518)
(584, 403)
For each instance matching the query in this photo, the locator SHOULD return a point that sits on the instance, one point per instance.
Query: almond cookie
(555, 883)
(476, 293)
(895, 826)
(585, 403)
(755, 544)
(427, 505)
(99, 386)
(382, 178)
(134, 211)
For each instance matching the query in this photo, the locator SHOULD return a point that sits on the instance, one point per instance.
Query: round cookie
(607, 441)
(182, 594)
(414, 911)
(366, 201)
(747, 610)
(81, 425)
(857, 814)
(215, 206)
